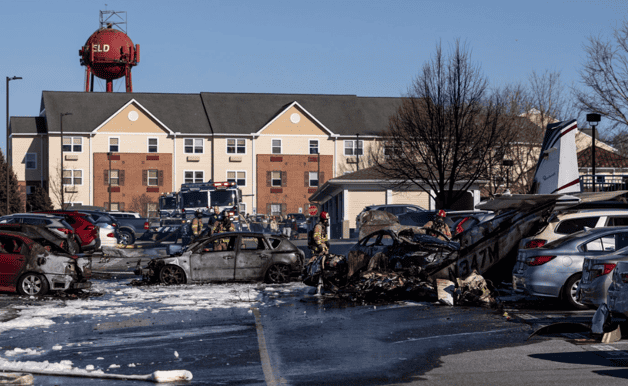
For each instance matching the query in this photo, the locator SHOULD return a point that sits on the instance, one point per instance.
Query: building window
(354, 147)
(389, 150)
(72, 144)
(114, 144)
(29, 189)
(114, 178)
(193, 145)
(313, 178)
(194, 176)
(275, 209)
(152, 209)
(72, 177)
(276, 145)
(275, 178)
(31, 160)
(115, 207)
(153, 178)
(236, 146)
(153, 145)
(237, 176)
(313, 146)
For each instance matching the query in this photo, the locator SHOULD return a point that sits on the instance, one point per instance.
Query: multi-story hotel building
(278, 147)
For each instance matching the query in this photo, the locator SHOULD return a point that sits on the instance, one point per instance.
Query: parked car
(617, 298)
(130, 228)
(249, 256)
(396, 209)
(555, 269)
(107, 227)
(28, 268)
(567, 222)
(86, 230)
(55, 224)
(49, 239)
(597, 277)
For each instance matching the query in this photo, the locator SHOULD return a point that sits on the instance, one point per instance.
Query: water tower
(109, 53)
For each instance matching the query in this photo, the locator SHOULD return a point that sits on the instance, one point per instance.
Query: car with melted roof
(55, 225)
(30, 269)
(249, 256)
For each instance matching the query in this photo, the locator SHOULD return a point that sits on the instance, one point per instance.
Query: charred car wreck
(31, 269)
(395, 261)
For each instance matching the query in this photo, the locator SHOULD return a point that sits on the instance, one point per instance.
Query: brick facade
(133, 177)
(294, 190)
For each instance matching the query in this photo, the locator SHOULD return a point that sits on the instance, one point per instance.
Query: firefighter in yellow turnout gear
(197, 224)
(221, 227)
(319, 243)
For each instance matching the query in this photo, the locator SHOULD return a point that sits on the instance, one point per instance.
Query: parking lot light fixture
(593, 120)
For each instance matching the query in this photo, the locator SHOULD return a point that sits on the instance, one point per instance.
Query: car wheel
(32, 284)
(126, 238)
(569, 292)
(171, 274)
(278, 273)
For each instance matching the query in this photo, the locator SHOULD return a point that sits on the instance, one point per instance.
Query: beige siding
(357, 200)
(75, 161)
(284, 125)
(20, 147)
(225, 162)
(419, 198)
(346, 164)
(123, 122)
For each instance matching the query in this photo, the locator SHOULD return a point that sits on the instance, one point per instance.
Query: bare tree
(140, 203)
(449, 132)
(58, 186)
(605, 75)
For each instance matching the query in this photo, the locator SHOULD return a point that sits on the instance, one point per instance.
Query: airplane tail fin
(557, 169)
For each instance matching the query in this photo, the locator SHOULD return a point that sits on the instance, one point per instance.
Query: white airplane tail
(557, 169)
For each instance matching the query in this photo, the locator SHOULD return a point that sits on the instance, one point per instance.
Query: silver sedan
(555, 269)
(597, 277)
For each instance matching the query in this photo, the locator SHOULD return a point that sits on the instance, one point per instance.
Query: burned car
(231, 256)
(28, 268)
(51, 241)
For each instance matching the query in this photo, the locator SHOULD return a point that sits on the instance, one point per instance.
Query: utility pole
(7, 144)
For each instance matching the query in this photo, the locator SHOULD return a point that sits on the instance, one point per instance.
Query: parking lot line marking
(263, 352)
(461, 334)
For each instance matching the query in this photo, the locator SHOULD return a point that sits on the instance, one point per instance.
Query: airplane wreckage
(396, 261)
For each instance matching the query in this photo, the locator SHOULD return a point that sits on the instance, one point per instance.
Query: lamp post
(61, 115)
(593, 120)
(508, 163)
(7, 144)
(109, 176)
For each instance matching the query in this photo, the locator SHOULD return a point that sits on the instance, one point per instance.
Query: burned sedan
(232, 256)
(28, 268)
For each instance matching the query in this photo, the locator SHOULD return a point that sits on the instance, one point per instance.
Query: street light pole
(593, 120)
(109, 175)
(61, 115)
(7, 143)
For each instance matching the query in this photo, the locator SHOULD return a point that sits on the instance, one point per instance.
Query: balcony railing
(604, 183)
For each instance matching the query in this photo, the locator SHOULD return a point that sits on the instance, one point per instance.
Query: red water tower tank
(109, 54)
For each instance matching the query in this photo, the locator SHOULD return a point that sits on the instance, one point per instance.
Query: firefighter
(319, 242)
(438, 224)
(197, 224)
(223, 226)
(213, 219)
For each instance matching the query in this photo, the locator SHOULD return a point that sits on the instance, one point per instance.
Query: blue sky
(364, 48)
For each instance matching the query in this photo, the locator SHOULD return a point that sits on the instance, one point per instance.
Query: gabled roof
(298, 106)
(144, 110)
(603, 159)
(231, 113)
(180, 112)
(28, 125)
